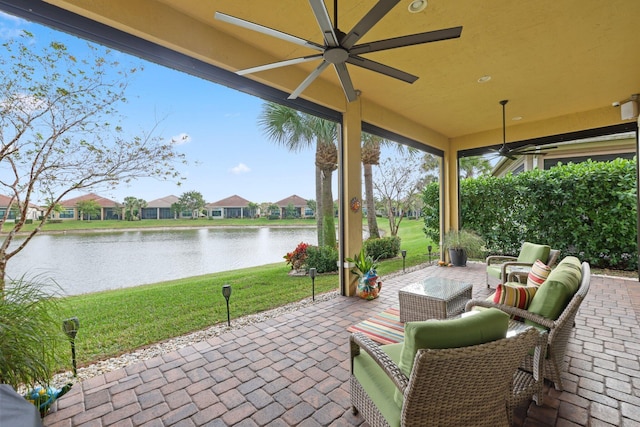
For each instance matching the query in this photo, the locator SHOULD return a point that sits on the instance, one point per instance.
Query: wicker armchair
(499, 267)
(559, 329)
(457, 386)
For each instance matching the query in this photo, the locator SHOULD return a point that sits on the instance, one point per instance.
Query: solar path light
(226, 293)
(70, 327)
(312, 274)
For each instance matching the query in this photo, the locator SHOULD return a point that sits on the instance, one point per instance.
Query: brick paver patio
(294, 369)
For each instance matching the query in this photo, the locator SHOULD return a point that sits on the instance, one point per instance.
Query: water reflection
(82, 263)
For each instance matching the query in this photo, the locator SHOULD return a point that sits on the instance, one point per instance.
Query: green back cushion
(484, 326)
(377, 384)
(530, 252)
(554, 294)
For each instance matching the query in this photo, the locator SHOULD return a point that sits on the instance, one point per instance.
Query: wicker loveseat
(470, 384)
(553, 308)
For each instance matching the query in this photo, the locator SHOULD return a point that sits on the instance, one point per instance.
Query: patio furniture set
(481, 358)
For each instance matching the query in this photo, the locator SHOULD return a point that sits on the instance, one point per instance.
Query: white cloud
(180, 139)
(241, 168)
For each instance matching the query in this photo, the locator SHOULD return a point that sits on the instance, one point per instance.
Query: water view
(83, 263)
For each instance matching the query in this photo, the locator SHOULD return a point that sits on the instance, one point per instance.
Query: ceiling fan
(510, 153)
(339, 48)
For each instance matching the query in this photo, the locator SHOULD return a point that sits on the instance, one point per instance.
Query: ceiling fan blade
(420, 38)
(345, 81)
(381, 68)
(322, 16)
(369, 20)
(310, 78)
(266, 30)
(278, 64)
(532, 150)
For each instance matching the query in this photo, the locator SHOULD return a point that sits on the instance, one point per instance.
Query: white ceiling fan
(339, 48)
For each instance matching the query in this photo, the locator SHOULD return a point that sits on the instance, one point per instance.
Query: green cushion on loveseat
(377, 384)
(555, 293)
(485, 326)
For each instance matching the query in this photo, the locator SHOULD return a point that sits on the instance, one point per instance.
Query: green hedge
(588, 210)
(382, 248)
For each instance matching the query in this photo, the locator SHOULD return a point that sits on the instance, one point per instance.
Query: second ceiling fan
(511, 153)
(339, 48)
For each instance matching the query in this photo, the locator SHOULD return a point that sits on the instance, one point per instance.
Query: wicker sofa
(553, 308)
(462, 372)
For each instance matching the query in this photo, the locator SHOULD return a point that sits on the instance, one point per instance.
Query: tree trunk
(328, 222)
(372, 221)
(3, 269)
(319, 206)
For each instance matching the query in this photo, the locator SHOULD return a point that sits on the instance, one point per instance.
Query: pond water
(82, 263)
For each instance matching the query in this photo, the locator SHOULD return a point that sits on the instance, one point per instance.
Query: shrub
(587, 210)
(298, 257)
(323, 258)
(29, 335)
(382, 248)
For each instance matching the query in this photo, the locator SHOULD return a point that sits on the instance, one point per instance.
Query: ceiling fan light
(417, 6)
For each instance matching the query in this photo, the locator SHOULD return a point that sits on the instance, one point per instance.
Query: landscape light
(70, 327)
(404, 255)
(312, 274)
(226, 293)
(429, 249)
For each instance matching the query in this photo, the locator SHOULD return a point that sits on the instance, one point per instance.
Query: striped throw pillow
(514, 295)
(538, 274)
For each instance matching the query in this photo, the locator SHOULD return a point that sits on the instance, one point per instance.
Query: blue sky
(226, 151)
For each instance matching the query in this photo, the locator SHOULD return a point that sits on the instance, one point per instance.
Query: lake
(91, 262)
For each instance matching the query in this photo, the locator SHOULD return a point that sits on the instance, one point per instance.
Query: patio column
(449, 194)
(350, 188)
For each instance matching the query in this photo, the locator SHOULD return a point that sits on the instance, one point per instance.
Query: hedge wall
(587, 210)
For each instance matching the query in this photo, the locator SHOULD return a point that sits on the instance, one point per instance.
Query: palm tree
(370, 156)
(470, 166)
(297, 131)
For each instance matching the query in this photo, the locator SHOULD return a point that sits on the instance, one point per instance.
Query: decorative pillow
(514, 295)
(488, 325)
(538, 274)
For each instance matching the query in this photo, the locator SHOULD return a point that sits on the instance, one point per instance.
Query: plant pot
(369, 286)
(458, 257)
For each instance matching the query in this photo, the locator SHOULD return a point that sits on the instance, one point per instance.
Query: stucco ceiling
(561, 64)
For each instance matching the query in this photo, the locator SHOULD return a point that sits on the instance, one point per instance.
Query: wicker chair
(559, 329)
(499, 266)
(458, 386)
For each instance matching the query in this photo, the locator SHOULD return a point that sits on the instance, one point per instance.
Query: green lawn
(119, 321)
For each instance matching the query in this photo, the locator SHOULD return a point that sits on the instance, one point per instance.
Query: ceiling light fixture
(484, 79)
(417, 6)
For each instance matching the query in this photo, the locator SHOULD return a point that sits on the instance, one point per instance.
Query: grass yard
(119, 321)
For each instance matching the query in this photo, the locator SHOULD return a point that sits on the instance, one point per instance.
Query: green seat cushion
(555, 293)
(494, 271)
(530, 252)
(485, 326)
(377, 384)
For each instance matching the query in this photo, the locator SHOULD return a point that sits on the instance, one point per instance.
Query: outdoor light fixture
(70, 327)
(226, 293)
(429, 249)
(404, 256)
(312, 274)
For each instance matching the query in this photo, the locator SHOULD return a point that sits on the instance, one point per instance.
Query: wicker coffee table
(433, 298)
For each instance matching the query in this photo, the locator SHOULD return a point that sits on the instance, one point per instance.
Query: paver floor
(294, 369)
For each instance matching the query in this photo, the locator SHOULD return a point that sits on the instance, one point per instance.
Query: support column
(449, 195)
(350, 189)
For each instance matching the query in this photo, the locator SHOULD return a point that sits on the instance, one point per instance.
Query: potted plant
(364, 266)
(461, 244)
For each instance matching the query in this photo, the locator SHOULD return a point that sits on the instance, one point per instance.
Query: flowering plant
(298, 257)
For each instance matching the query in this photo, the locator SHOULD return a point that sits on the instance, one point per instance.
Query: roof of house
(6, 200)
(102, 201)
(163, 202)
(292, 200)
(234, 201)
